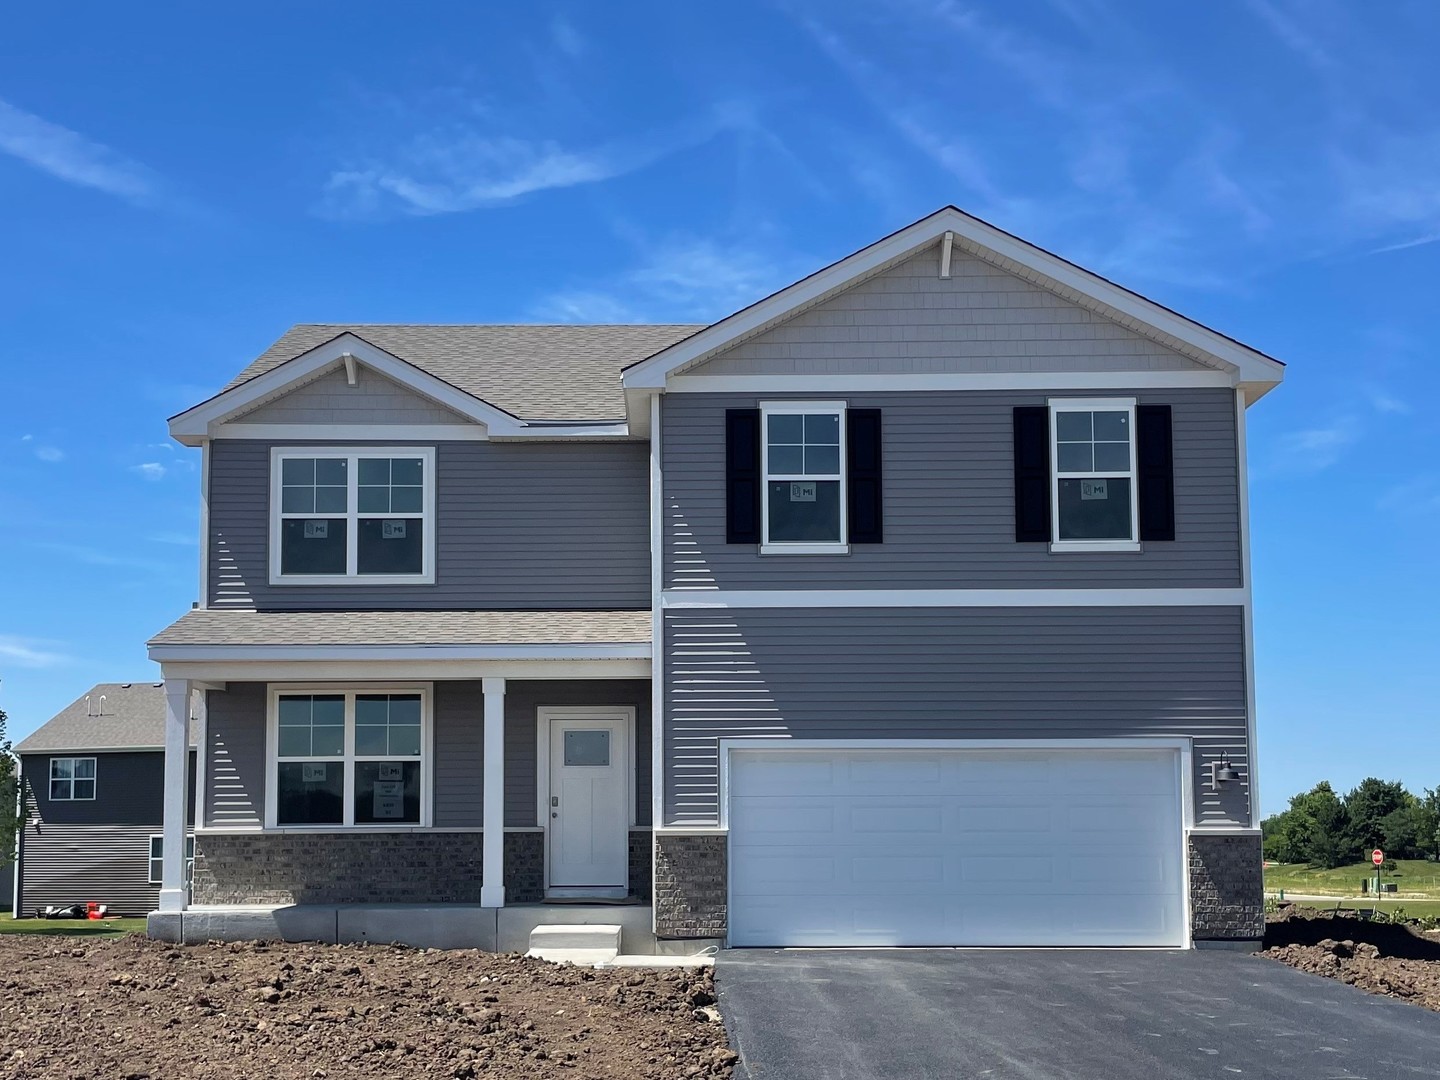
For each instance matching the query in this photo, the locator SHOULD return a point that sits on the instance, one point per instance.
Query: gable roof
(1252, 369)
(133, 719)
(533, 372)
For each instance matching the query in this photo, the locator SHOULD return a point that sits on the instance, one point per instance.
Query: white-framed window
(343, 758)
(352, 515)
(157, 859)
(802, 459)
(1092, 494)
(72, 779)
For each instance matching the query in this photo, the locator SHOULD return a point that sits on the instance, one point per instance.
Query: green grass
(1412, 908)
(1411, 875)
(105, 928)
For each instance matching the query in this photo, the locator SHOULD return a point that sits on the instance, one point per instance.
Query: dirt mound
(1383, 958)
(135, 1008)
(1297, 925)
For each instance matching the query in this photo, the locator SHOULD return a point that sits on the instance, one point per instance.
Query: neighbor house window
(353, 515)
(72, 779)
(1093, 497)
(348, 758)
(157, 859)
(803, 509)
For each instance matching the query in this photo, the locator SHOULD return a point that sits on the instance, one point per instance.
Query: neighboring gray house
(908, 605)
(93, 783)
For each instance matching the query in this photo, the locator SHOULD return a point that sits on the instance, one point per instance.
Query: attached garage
(956, 845)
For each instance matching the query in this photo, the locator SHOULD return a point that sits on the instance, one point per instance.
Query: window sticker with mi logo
(1093, 489)
(393, 530)
(317, 530)
(802, 492)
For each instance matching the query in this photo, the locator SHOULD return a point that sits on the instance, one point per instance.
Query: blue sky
(179, 183)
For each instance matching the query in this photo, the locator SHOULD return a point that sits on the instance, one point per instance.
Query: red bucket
(94, 911)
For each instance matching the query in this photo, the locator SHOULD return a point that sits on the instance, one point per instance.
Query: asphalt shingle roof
(407, 628)
(133, 717)
(562, 372)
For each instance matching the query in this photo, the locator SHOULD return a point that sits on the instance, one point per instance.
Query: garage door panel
(1047, 857)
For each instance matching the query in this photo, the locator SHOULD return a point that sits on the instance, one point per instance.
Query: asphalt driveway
(1057, 1015)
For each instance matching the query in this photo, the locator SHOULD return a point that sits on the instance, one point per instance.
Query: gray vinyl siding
(459, 747)
(910, 320)
(93, 850)
(235, 737)
(980, 673)
(535, 525)
(950, 501)
(524, 699)
(235, 765)
(330, 399)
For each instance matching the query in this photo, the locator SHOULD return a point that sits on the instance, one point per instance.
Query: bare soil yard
(134, 1008)
(1383, 958)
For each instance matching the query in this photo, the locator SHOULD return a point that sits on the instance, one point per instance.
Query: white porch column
(492, 871)
(173, 894)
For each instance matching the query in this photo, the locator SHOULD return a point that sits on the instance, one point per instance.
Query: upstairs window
(363, 515)
(1093, 495)
(802, 446)
(72, 779)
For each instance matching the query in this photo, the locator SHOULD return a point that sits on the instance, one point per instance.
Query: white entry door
(956, 847)
(589, 804)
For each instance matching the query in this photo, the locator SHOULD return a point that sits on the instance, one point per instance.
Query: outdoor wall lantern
(1223, 772)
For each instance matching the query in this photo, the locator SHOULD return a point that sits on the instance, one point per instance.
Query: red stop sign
(1377, 856)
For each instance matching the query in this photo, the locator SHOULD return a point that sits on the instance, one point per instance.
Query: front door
(589, 823)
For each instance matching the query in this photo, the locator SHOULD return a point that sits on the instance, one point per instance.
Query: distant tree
(9, 785)
(1315, 828)
(1403, 831)
(1429, 824)
(1367, 807)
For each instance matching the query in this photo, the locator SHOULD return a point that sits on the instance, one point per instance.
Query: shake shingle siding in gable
(534, 525)
(330, 399)
(950, 501)
(910, 320)
(967, 673)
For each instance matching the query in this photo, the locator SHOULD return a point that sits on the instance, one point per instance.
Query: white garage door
(956, 847)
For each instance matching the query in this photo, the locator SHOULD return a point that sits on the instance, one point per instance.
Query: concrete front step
(577, 943)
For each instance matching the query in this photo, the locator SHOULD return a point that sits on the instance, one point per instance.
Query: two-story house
(908, 605)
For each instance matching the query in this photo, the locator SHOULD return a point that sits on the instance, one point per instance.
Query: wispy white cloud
(1411, 498)
(467, 164)
(175, 539)
(29, 652)
(1312, 450)
(679, 278)
(1294, 36)
(90, 556)
(70, 156)
(50, 454)
(150, 470)
(567, 39)
(1384, 401)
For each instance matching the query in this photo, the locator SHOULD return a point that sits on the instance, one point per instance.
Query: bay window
(353, 515)
(802, 459)
(1093, 494)
(348, 758)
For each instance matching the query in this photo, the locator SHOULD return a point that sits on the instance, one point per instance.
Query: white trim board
(209, 418)
(990, 244)
(410, 670)
(255, 653)
(685, 599)
(915, 382)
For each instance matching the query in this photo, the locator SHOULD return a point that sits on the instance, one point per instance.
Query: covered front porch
(402, 780)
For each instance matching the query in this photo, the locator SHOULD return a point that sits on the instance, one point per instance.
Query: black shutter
(865, 504)
(1032, 474)
(742, 476)
(1156, 465)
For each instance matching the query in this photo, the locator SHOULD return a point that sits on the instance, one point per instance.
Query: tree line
(1325, 829)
